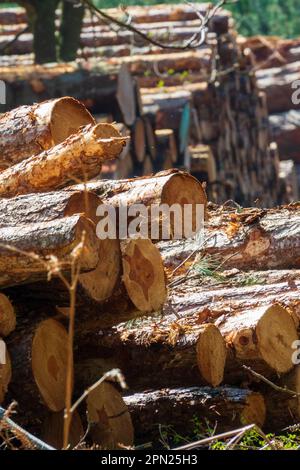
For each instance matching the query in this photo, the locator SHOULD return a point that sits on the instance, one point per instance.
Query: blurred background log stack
(276, 64)
(170, 102)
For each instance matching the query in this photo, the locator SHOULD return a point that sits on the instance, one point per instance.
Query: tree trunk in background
(44, 41)
(70, 30)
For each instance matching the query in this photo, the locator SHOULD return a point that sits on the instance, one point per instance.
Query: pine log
(27, 130)
(150, 355)
(261, 338)
(139, 140)
(111, 426)
(167, 187)
(252, 239)
(38, 350)
(44, 207)
(79, 157)
(141, 288)
(7, 316)
(97, 284)
(225, 408)
(126, 95)
(53, 426)
(5, 372)
(26, 250)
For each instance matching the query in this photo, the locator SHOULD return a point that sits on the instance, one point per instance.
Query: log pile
(276, 64)
(188, 322)
(167, 100)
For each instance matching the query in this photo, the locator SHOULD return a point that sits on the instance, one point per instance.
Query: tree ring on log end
(276, 333)
(112, 426)
(211, 355)
(101, 282)
(143, 274)
(7, 316)
(53, 427)
(254, 411)
(67, 116)
(184, 189)
(49, 362)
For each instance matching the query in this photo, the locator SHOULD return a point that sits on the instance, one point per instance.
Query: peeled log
(25, 250)
(53, 427)
(28, 130)
(7, 316)
(227, 408)
(251, 239)
(150, 355)
(5, 374)
(111, 426)
(38, 350)
(79, 157)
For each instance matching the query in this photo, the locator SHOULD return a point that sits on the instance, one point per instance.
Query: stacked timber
(276, 66)
(167, 100)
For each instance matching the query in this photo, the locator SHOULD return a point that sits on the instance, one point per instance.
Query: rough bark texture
(27, 130)
(167, 187)
(150, 356)
(250, 239)
(79, 157)
(25, 250)
(228, 408)
(44, 207)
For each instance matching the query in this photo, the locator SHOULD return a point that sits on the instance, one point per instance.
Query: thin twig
(271, 384)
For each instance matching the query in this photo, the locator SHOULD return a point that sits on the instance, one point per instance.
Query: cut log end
(100, 283)
(49, 362)
(53, 426)
(112, 427)
(254, 411)
(67, 116)
(7, 316)
(211, 355)
(143, 274)
(276, 333)
(5, 376)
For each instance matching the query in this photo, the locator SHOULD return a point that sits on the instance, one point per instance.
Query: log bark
(169, 187)
(28, 130)
(7, 316)
(141, 288)
(150, 356)
(79, 157)
(227, 408)
(96, 285)
(25, 253)
(253, 239)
